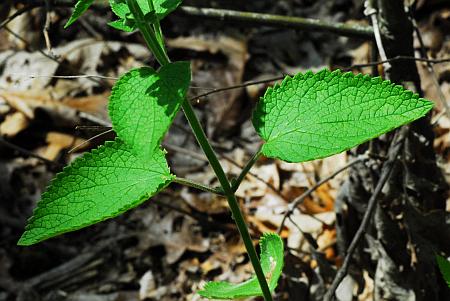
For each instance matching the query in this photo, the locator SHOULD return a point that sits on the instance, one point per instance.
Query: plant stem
(148, 33)
(245, 170)
(229, 194)
(197, 185)
(157, 27)
(150, 38)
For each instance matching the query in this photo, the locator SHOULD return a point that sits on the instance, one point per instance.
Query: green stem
(229, 194)
(245, 171)
(148, 33)
(150, 38)
(190, 183)
(157, 27)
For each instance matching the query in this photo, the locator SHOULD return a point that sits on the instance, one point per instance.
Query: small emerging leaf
(80, 8)
(162, 7)
(143, 104)
(121, 25)
(312, 116)
(99, 185)
(272, 260)
(444, 267)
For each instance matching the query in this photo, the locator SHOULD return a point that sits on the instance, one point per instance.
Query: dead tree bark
(409, 224)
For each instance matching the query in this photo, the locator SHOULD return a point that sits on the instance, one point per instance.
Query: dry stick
(51, 57)
(252, 18)
(16, 14)
(29, 153)
(280, 77)
(359, 31)
(371, 12)
(297, 201)
(74, 76)
(47, 26)
(386, 171)
(431, 70)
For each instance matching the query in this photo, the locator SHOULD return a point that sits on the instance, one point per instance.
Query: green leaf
(162, 7)
(144, 103)
(444, 266)
(99, 185)
(80, 8)
(122, 25)
(312, 116)
(272, 260)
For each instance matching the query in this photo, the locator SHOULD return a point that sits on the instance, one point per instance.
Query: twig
(297, 201)
(386, 171)
(74, 76)
(371, 12)
(29, 153)
(431, 70)
(243, 85)
(280, 77)
(47, 26)
(250, 18)
(49, 56)
(16, 14)
(77, 147)
(359, 31)
(400, 58)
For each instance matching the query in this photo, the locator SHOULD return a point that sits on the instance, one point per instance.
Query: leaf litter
(162, 251)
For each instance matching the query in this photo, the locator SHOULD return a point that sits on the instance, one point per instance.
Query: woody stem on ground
(155, 47)
(245, 18)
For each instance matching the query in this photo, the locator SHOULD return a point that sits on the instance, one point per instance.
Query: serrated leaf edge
(75, 164)
(258, 122)
(72, 18)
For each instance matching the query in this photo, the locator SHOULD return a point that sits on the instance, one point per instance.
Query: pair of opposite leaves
(161, 8)
(307, 117)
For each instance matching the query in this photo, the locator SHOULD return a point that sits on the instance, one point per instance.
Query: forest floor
(168, 247)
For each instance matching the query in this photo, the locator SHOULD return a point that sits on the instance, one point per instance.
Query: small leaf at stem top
(162, 7)
(315, 115)
(272, 261)
(81, 7)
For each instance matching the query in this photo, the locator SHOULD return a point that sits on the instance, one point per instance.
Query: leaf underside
(120, 8)
(80, 8)
(272, 261)
(99, 185)
(444, 267)
(315, 115)
(143, 104)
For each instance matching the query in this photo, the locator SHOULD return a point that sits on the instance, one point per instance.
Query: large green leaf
(162, 7)
(444, 267)
(272, 260)
(144, 103)
(80, 8)
(312, 116)
(97, 186)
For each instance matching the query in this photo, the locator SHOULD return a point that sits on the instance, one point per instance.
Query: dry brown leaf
(56, 142)
(224, 109)
(13, 124)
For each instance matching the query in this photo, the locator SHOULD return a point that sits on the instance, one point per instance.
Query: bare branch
(388, 166)
(297, 201)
